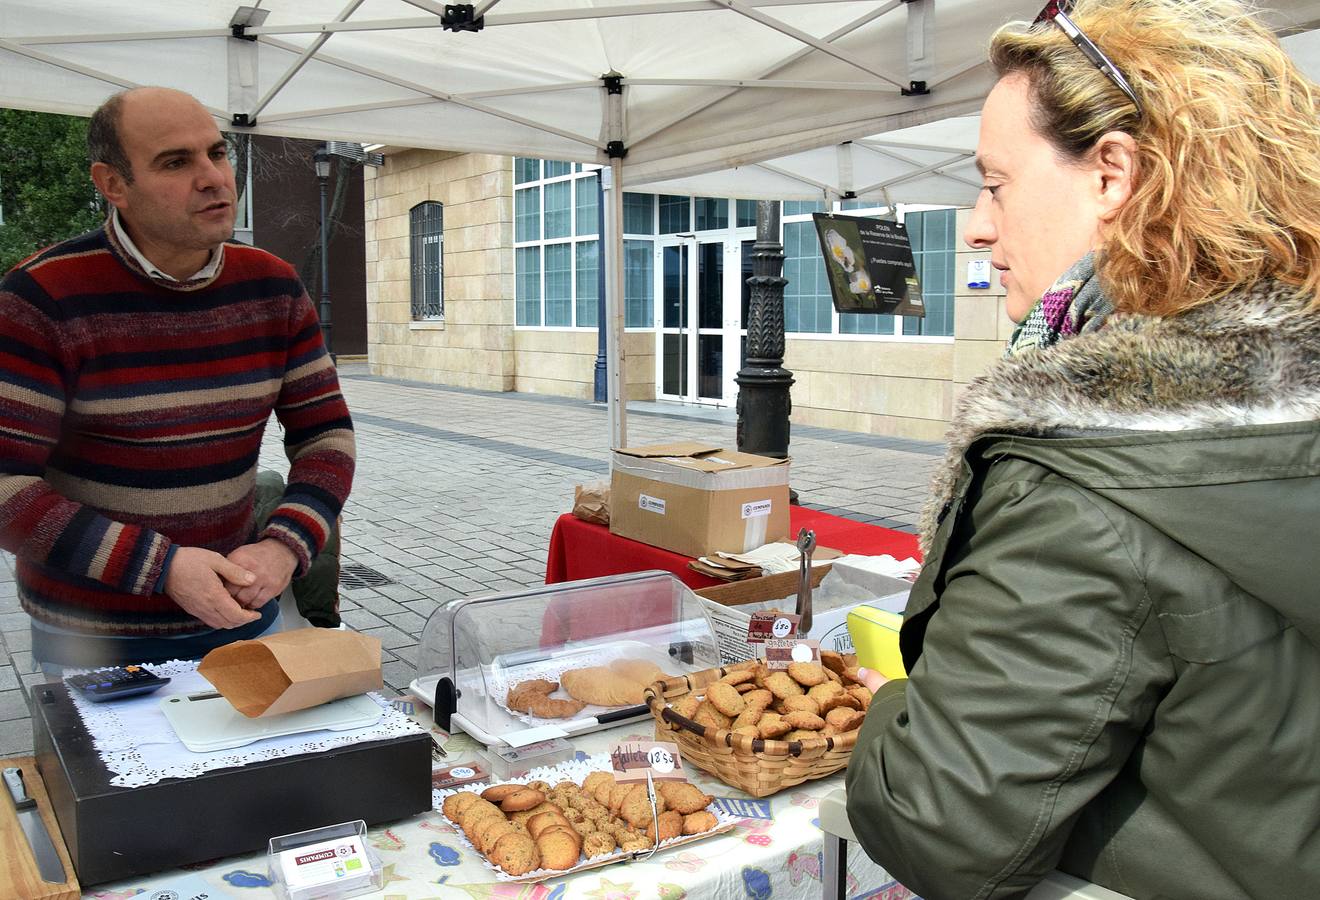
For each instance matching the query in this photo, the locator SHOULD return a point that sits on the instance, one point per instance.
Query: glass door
(700, 341)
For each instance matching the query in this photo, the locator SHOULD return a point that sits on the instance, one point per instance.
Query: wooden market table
(581, 549)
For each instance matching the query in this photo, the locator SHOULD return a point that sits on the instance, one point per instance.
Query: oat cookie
(845, 719)
(598, 843)
(799, 704)
(725, 698)
(700, 821)
(804, 720)
(782, 686)
(671, 826)
(807, 674)
(683, 796)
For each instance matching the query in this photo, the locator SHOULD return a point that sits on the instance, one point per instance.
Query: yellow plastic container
(875, 637)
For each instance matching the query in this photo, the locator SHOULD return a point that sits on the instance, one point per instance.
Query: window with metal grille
(426, 229)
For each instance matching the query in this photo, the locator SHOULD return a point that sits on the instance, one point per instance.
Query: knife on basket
(29, 817)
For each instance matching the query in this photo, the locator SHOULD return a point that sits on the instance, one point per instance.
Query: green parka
(1114, 644)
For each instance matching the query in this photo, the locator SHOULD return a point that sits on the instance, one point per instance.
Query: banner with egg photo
(870, 266)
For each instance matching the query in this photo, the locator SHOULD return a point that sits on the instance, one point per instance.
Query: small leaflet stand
(324, 863)
(207, 722)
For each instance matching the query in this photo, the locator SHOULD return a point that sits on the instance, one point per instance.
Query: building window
(934, 243)
(556, 214)
(426, 231)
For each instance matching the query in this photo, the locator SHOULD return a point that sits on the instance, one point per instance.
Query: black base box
(117, 832)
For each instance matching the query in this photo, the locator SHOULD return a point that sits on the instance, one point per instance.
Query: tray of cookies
(575, 656)
(763, 730)
(575, 816)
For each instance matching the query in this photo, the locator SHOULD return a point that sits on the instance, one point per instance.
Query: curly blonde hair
(1228, 166)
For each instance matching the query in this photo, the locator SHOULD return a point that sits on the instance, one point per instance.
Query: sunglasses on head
(1056, 11)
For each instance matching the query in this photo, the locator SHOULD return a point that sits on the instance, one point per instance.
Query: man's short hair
(103, 143)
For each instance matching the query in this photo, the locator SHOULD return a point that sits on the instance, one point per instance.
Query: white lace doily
(138, 745)
(570, 770)
(504, 679)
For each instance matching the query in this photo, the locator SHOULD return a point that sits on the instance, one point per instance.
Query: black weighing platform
(117, 832)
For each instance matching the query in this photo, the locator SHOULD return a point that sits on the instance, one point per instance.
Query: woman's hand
(872, 679)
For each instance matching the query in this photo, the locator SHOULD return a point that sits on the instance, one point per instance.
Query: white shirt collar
(206, 271)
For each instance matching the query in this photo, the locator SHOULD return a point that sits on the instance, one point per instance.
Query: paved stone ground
(457, 491)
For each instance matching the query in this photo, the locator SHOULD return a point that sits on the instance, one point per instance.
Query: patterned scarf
(1072, 305)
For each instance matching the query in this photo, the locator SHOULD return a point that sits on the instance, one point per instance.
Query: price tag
(770, 625)
(632, 760)
(463, 773)
(780, 654)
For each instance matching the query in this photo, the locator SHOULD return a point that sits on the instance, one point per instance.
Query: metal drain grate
(356, 575)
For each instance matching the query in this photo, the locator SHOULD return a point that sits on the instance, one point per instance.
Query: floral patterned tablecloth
(773, 852)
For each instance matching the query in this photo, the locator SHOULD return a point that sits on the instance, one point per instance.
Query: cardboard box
(829, 626)
(697, 499)
(293, 670)
(117, 832)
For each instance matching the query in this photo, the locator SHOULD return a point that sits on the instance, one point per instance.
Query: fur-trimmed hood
(1250, 358)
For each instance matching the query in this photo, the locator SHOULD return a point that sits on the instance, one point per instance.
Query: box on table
(117, 832)
(828, 626)
(697, 499)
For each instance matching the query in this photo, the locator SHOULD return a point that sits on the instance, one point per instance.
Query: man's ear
(1115, 160)
(109, 182)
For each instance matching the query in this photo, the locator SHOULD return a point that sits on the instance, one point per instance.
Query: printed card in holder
(324, 863)
(771, 625)
(780, 654)
(635, 760)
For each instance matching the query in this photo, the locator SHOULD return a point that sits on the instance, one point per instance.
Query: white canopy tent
(656, 89)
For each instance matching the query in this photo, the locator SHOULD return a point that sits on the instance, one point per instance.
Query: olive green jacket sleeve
(1040, 664)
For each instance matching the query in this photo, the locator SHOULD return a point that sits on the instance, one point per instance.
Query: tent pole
(615, 363)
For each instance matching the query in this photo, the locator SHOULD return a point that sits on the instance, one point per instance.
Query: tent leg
(617, 392)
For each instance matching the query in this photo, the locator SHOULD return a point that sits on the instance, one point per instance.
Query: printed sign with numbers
(780, 654)
(769, 625)
(632, 760)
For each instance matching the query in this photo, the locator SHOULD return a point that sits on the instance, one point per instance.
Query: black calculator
(111, 684)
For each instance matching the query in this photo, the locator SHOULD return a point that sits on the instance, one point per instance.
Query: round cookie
(497, 793)
(538, 823)
(557, 849)
(490, 830)
(526, 798)
(455, 804)
(516, 854)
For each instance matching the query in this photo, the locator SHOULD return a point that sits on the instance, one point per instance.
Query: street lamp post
(321, 159)
(764, 403)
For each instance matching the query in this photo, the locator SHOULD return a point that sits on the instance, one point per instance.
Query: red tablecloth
(581, 549)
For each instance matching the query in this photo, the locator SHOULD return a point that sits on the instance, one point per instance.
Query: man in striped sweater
(139, 365)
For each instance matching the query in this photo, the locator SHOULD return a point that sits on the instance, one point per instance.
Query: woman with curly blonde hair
(1114, 644)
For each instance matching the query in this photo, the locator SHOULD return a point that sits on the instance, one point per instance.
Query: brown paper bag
(591, 502)
(293, 670)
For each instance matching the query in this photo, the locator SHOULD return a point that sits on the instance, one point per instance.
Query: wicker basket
(759, 767)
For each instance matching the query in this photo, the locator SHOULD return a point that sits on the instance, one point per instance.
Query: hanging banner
(869, 265)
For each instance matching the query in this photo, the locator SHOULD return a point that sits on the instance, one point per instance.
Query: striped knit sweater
(131, 417)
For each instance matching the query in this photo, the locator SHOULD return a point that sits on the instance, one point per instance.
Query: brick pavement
(457, 491)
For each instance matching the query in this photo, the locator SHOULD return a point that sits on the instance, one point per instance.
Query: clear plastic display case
(475, 650)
